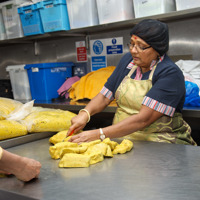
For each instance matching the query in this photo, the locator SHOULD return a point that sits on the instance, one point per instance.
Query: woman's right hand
(78, 122)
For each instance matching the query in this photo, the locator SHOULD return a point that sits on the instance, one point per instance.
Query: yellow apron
(129, 97)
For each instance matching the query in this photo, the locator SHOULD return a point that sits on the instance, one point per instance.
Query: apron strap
(132, 70)
(135, 67)
(152, 72)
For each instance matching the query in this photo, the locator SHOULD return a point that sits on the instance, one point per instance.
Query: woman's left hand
(85, 136)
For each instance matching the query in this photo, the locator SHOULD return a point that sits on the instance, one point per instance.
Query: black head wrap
(154, 33)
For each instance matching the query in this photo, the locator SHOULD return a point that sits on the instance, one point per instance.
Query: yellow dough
(86, 153)
(74, 160)
(112, 144)
(56, 150)
(77, 149)
(123, 147)
(59, 137)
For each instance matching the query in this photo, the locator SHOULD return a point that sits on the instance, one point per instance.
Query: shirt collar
(153, 63)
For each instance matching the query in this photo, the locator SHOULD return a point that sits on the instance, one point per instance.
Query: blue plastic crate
(46, 78)
(30, 19)
(54, 15)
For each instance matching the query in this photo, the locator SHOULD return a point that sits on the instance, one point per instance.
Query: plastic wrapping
(7, 106)
(21, 112)
(192, 94)
(191, 70)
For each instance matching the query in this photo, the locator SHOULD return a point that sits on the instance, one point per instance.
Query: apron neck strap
(135, 67)
(152, 72)
(132, 70)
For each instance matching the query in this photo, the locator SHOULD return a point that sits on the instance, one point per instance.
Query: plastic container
(183, 4)
(30, 19)
(2, 26)
(54, 15)
(46, 78)
(82, 13)
(153, 7)
(19, 81)
(11, 18)
(114, 10)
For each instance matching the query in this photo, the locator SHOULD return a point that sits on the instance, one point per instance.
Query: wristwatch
(102, 136)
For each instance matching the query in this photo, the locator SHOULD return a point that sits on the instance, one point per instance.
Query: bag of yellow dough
(7, 106)
(11, 129)
(48, 120)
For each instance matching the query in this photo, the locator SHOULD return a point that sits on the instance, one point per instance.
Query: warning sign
(81, 52)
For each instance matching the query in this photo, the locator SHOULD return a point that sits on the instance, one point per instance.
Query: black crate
(6, 89)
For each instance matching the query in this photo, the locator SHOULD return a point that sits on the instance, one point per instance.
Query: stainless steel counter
(150, 171)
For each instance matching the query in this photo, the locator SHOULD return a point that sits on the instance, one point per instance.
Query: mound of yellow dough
(87, 153)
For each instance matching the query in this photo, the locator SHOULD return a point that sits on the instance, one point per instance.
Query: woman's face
(142, 53)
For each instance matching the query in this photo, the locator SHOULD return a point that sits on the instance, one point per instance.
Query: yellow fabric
(90, 84)
(11, 129)
(7, 106)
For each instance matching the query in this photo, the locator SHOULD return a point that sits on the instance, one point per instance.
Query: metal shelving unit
(85, 31)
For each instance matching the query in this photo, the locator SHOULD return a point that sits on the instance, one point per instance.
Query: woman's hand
(85, 136)
(78, 122)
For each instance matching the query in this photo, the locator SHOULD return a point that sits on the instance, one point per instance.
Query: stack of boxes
(20, 18)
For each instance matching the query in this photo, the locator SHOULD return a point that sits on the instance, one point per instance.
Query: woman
(149, 89)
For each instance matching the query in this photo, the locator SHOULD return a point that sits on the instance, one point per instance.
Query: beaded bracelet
(87, 114)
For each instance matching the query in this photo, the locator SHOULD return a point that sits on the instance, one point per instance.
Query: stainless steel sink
(7, 195)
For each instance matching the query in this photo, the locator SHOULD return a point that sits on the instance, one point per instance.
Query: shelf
(83, 32)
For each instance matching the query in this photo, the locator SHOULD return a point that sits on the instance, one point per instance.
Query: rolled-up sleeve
(166, 93)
